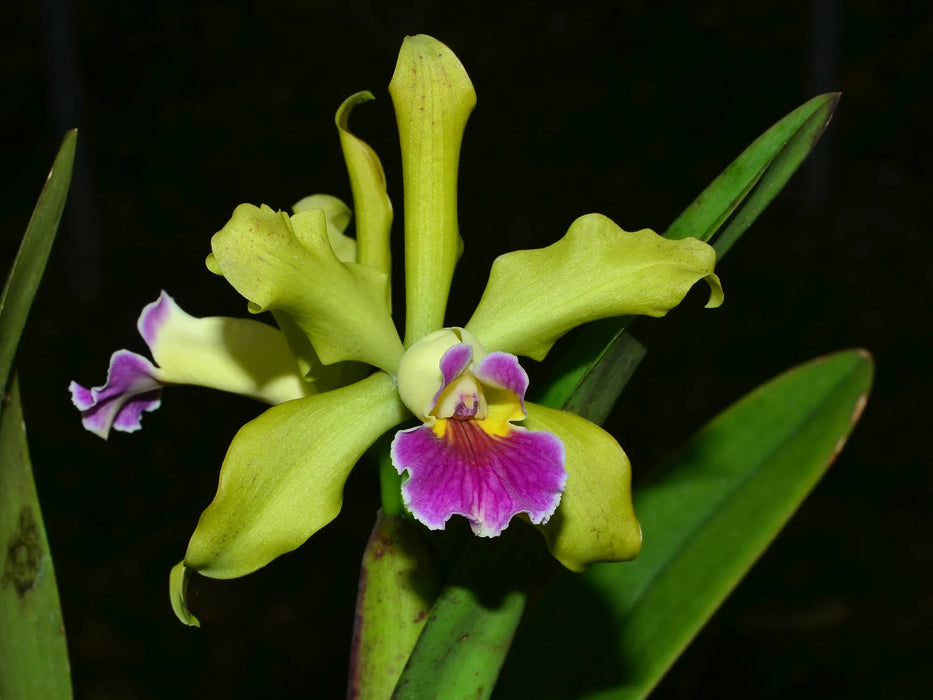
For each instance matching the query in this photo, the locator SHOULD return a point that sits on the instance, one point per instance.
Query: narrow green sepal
(433, 98)
(287, 263)
(596, 270)
(370, 198)
(178, 593)
(282, 479)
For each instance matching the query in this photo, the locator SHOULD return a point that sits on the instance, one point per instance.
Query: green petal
(282, 479)
(338, 218)
(370, 199)
(595, 520)
(287, 264)
(595, 271)
(433, 98)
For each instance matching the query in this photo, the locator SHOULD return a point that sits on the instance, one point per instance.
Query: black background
(625, 108)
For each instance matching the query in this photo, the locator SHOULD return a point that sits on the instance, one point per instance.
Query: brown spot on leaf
(23, 555)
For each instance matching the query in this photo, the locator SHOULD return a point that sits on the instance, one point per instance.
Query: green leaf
(470, 628)
(588, 383)
(26, 273)
(602, 350)
(33, 653)
(399, 583)
(752, 180)
(708, 519)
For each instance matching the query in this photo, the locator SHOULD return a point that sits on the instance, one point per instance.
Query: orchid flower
(477, 448)
(241, 356)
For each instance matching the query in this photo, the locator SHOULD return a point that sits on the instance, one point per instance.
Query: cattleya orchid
(478, 449)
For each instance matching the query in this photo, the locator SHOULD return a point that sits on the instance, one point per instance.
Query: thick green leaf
(23, 281)
(709, 517)
(752, 180)
(588, 383)
(33, 654)
(742, 191)
(470, 628)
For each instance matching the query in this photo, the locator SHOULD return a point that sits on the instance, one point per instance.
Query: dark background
(626, 108)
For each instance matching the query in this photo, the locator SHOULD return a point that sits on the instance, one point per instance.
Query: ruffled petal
(282, 479)
(595, 520)
(133, 387)
(596, 270)
(487, 479)
(282, 263)
(433, 98)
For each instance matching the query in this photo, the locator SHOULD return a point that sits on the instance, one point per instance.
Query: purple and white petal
(485, 478)
(502, 370)
(132, 388)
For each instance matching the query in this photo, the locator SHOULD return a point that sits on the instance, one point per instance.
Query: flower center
(462, 399)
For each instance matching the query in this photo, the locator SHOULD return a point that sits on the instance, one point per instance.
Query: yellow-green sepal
(282, 479)
(433, 98)
(178, 594)
(595, 520)
(370, 198)
(596, 270)
(287, 263)
(338, 217)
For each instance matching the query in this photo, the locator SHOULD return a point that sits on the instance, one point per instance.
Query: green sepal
(433, 98)
(178, 594)
(370, 198)
(282, 479)
(287, 263)
(338, 217)
(595, 520)
(399, 583)
(596, 270)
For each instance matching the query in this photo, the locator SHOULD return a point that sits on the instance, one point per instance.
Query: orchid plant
(465, 442)
(479, 450)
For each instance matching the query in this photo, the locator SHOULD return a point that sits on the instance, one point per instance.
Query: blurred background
(626, 108)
